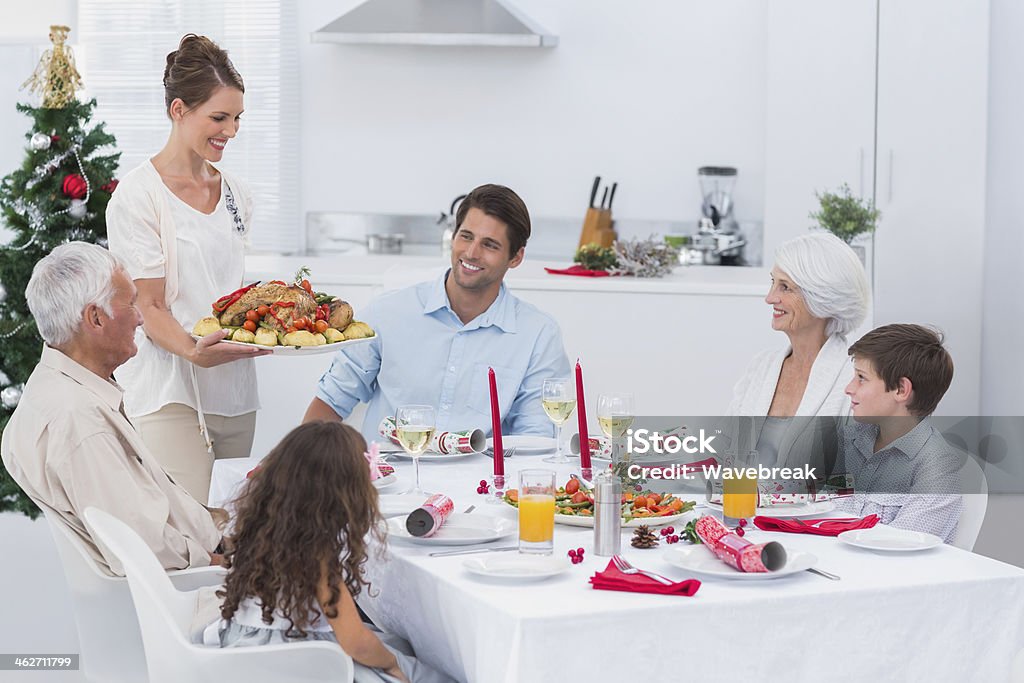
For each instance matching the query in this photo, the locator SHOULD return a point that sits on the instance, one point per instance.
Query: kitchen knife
(593, 190)
(604, 197)
(611, 197)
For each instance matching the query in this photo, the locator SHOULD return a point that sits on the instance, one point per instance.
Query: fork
(626, 568)
(509, 452)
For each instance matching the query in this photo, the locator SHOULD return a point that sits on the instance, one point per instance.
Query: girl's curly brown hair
(303, 516)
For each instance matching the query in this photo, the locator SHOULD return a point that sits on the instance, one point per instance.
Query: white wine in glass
(615, 426)
(414, 427)
(558, 398)
(615, 413)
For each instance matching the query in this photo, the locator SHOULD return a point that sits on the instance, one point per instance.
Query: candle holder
(497, 495)
(587, 475)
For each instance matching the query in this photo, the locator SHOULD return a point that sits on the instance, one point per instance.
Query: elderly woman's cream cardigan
(823, 398)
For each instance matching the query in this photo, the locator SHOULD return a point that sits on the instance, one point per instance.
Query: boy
(903, 468)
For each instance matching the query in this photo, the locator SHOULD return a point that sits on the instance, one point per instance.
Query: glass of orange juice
(739, 497)
(537, 512)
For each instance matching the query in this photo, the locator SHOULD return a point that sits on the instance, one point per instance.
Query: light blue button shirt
(423, 354)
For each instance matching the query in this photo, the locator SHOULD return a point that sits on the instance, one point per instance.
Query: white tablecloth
(938, 615)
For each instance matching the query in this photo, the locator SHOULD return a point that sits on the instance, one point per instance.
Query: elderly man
(69, 444)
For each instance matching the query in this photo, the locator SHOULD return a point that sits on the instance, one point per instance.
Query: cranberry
(670, 529)
(675, 539)
(579, 551)
(483, 482)
(572, 554)
(740, 531)
(743, 522)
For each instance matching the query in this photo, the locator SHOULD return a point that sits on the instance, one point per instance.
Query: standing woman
(180, 225)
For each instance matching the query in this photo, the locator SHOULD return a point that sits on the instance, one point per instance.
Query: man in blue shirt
(436, 340)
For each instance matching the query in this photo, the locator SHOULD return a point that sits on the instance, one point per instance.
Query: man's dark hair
(497, 201)
(910, 351)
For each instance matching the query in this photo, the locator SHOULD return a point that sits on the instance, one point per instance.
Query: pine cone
(644, 538)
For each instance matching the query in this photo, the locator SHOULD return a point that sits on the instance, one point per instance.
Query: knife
(593, 190)
(445, 553)
(611, 197)
(604, 197)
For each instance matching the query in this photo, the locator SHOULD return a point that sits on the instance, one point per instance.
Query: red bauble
(54, 138)
(74, 186)
(110, 187)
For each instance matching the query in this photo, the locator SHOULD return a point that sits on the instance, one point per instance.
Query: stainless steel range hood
(435, 22)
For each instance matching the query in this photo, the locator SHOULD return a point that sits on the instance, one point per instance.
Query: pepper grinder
(607, 514)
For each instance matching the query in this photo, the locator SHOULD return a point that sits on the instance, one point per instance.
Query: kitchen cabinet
(931, 177)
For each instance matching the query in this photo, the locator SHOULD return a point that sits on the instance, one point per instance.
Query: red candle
(581, 413)
(499, 452)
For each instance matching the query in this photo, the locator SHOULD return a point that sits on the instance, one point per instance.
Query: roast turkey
(269, 294)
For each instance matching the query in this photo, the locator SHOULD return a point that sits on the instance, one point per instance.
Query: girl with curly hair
(296, 555)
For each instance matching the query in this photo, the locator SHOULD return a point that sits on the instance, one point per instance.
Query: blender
(718, 240)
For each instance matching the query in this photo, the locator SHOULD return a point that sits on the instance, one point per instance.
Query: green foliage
(595, 257)
(32, 193)
(844, 215)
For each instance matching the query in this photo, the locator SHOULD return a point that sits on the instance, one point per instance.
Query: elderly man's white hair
(64, 282)
(831, 279)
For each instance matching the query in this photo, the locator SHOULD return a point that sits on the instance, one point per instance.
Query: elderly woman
(819, 294)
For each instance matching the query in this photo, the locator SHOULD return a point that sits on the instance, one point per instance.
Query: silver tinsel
(10, 397)
(645, 258)
(4, 379)
(3, 293)
(40, 141)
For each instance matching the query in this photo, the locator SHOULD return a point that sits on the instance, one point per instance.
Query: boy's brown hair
(911, 351)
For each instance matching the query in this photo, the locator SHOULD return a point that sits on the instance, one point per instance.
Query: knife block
(597, 228)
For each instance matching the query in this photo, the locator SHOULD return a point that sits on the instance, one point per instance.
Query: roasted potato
(266, 337)
(341, 314)
(358, 330)
(300, 338)
(206, 326)
(243, 335)
(332, 335)
(320, 339)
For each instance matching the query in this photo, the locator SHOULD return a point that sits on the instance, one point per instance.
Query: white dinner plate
(527, 444)
(299, 350)
(427, 456)
(393, 505)
(458, 529)
(822, 507)
(516, 567)
(700, 560)
(384, 482)
(890, 539)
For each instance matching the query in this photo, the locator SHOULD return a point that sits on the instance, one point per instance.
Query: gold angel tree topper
(55, 77)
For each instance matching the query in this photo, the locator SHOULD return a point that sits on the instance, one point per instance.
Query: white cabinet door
(819, 118)
(932, 121)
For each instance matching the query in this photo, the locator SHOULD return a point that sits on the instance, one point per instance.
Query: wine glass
(615, 413)
(559, 400)
(414, 427)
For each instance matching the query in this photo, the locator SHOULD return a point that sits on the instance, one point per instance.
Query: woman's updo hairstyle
(195, 70)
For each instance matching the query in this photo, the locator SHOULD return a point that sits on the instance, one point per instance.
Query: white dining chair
(108, 630)
(165, 616)
(972, 478)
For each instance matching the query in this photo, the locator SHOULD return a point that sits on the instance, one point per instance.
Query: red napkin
(611, 579)
(818, 527)
(578, 270)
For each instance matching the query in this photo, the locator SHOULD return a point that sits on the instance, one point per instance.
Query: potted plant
(845, 215)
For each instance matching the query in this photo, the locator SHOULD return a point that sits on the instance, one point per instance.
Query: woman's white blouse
(210, 262)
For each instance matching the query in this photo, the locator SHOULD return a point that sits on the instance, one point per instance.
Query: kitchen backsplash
(553, 239)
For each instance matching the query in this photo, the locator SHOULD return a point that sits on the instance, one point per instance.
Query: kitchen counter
(679, 343)
(389, 271)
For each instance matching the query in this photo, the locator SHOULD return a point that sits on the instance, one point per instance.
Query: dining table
(940, 614)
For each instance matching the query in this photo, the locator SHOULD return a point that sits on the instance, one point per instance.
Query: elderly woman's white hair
(64, 282)
(831, 279)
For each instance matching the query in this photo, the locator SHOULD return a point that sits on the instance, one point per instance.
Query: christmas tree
(59, 194)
